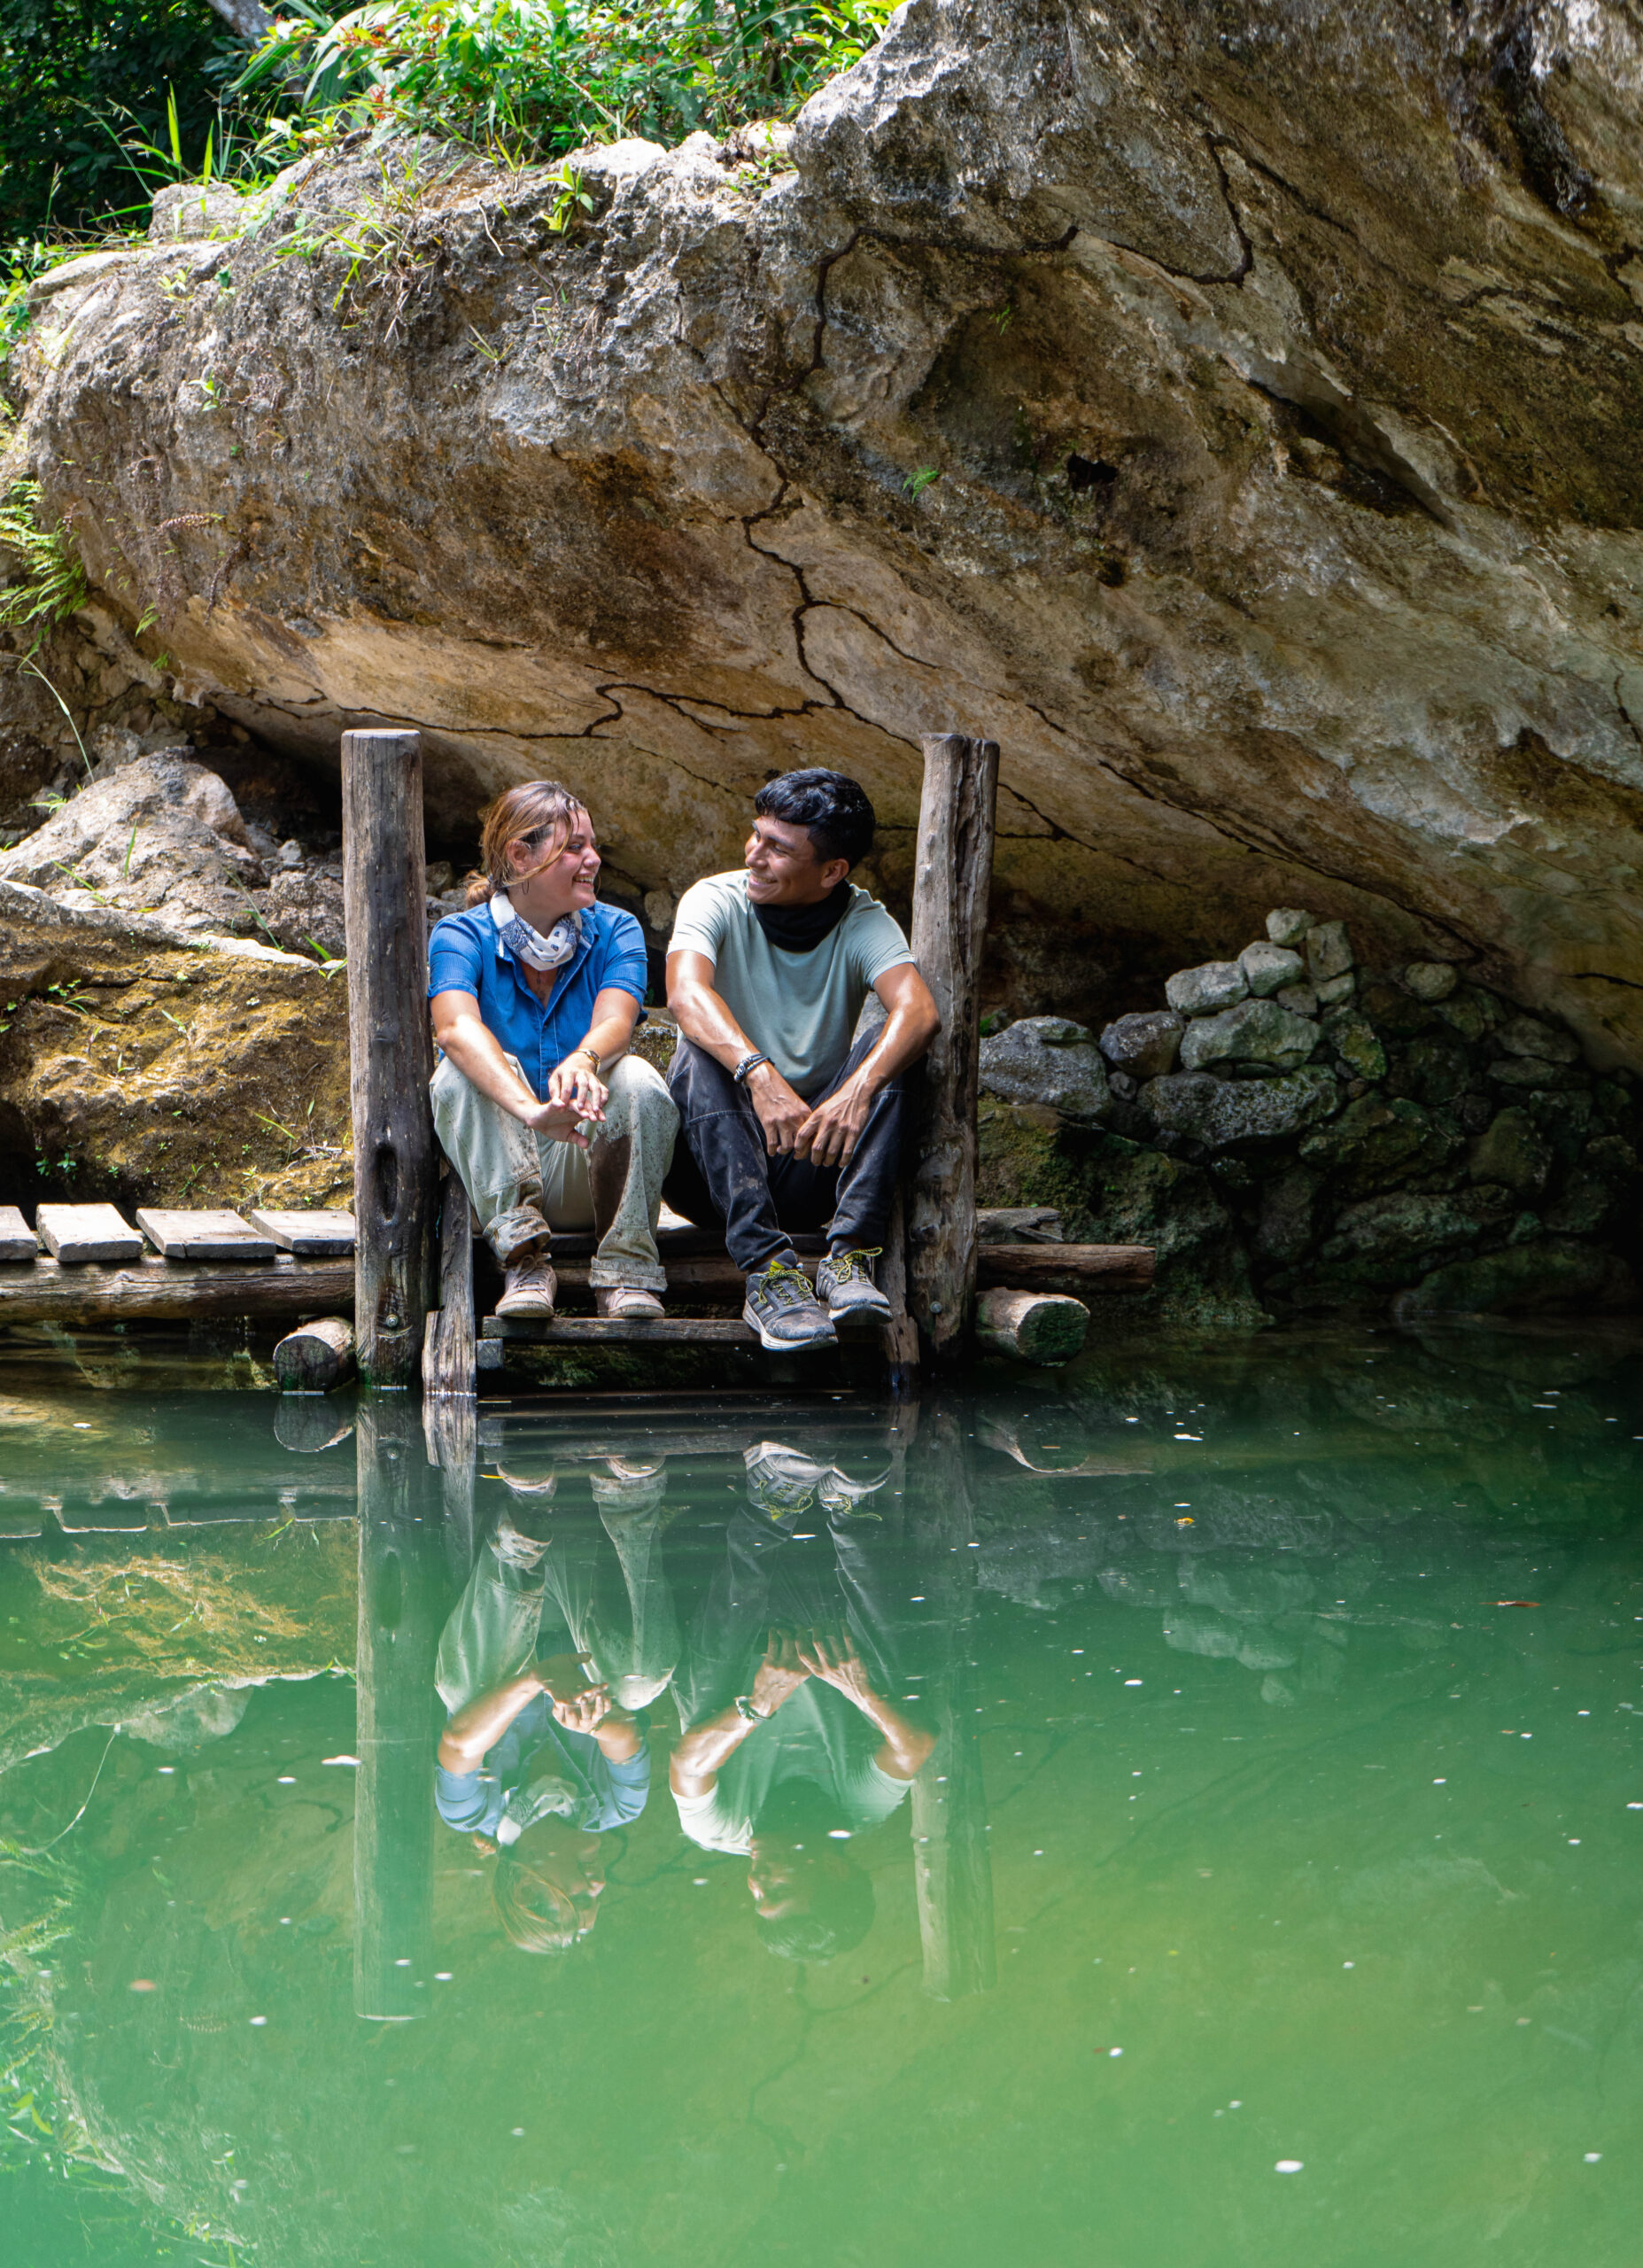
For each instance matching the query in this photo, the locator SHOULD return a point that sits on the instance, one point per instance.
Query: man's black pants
(723, 1176)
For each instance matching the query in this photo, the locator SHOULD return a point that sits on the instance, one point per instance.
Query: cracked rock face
(1229, 412)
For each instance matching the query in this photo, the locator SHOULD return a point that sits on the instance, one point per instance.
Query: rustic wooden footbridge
(405, 1261)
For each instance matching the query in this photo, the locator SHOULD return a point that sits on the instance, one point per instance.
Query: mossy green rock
(1374, 1143)
(1219, 1111)
(1356, 1045)
(1545, 1275)
(1512, 1150)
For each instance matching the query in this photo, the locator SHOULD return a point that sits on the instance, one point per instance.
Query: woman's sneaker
(844, 1282)
(783, 1309)
(532, 1287)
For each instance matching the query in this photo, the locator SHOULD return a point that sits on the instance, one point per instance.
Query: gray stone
(1471, 1012)
(1356, 1045)
(1375, 1143)
(1431, 980)
(1328, 951)
(1219, 1111)
(1400, 1226)
(1512, 1152)
(1610, 1153)
(1287, 925)
(187, 212)
(1143, 1046)
(1287, 1201)
(1528, 1037)
(1526, 1071)
(1299, 1000)
(1207, 990)
(1256, 1031)
(1268, 968)
(1048, 1061)
(303, 906)
(1334, 989)
(1588, 1207)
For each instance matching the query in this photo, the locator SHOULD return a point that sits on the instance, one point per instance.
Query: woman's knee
(640, 1092)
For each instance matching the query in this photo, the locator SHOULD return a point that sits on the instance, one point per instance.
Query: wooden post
(400, 1598)
(390, 1050)
(448, 1354)
(952, 876)
(899, 1335)
(952, 1863)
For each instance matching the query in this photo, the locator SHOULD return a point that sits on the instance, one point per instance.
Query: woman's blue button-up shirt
(465, 954)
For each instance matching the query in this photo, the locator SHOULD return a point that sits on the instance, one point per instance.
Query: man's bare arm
(830, 1133)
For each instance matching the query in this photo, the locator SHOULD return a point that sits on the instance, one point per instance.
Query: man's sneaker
(844, 1283)
(783, 1309)
(628, 1303)
(532, 1287)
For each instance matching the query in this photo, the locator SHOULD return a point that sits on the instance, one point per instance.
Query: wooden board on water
(283, 1289)
(17, 1239)
(209, 1233)
(313, 1235)
(76, 1233)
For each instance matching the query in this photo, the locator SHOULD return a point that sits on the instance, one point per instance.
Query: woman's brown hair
(537, 1916)
(540, 808)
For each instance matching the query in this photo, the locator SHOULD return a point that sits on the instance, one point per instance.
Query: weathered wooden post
(952, 1864)
(390, 1050)
(400, 1601)
(952, 876)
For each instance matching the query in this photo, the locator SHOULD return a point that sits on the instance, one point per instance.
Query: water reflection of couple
(791, 1741)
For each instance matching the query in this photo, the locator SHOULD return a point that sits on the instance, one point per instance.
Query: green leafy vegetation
(83, 84)
(542, 76)
(52, 583)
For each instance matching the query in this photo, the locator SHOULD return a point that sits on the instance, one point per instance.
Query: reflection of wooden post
(390, 1049)
(952, 1864)
(951, 878)
(451, 1429)
(400, 1598)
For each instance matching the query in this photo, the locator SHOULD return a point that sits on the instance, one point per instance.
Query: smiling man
(790, 1123)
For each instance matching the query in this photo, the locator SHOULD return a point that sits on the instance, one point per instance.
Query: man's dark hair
(839, 1916)
(835, 810)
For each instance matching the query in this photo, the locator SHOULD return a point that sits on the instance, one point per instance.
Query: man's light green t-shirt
(800, 1009)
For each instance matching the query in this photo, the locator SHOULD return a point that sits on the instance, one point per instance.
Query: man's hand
(779, 1111)
(562, 1676)
(829, 1135)
(829, 1654)
(780, 1674)
(575, 1085)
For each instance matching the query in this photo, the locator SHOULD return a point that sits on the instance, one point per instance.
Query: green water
(1285, 1812)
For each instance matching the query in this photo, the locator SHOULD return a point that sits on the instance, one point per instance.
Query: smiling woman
(548, 1120)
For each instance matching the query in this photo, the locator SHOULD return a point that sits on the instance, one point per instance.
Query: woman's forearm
(478, 1054)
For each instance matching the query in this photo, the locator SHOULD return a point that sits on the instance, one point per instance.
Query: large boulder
(1252, 352)
(1547, 1274)
(162, 834)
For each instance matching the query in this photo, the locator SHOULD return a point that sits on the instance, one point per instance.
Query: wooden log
(17, 1240)
(952, 875)
(448, 1355)
(321, 1234)
(316, 1357)
(1034, 1326)
(209, 1234)
(1080, 1269)
(390, 1050)
(664, 1330)
(307, 1423)
(1015, 1225)
(153, 1290)
(399, 1635)
(952, 1863)
(73, 1234)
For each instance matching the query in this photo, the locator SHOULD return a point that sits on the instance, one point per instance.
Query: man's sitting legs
(725, 1175)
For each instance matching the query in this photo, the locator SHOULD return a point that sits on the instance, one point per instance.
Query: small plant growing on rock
(571, 201)
(53, 582)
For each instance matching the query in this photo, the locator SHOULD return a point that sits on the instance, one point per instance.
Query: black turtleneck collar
(801, 928)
